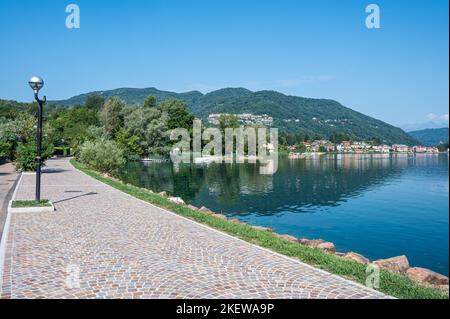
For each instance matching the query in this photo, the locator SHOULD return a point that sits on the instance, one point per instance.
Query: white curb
(22, 210)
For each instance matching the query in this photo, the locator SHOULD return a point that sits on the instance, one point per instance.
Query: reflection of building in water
(240, 188)
(356, 161)
(428, 159)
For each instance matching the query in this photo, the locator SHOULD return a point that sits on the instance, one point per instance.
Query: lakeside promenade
(102, 243)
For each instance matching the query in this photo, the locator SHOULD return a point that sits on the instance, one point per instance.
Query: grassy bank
(390, 284)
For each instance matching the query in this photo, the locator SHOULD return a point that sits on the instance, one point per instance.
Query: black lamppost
(36, 83)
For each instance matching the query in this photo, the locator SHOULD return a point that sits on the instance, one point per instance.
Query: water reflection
(378, 205)
(297, 186)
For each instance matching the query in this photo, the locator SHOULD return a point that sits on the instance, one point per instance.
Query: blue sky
(312, 48)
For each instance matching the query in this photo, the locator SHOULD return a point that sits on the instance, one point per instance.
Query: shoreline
(363, 153)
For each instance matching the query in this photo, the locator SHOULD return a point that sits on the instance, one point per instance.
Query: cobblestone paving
(102, 243)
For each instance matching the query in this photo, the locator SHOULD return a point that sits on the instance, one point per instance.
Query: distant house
(346, 144)
(432, 150)
(339, 148)
(381, 148)
(385, 148)
(419, 149)
(360, 147)
(331, 148)
(400, 148)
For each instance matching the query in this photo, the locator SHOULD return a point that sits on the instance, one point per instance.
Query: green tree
(282, 140)
(291, 139)
(339, 137)
(111, 114)
(177, 113)
(300, 138)
(301, 148)
(94, 102)
(129, 144)
(102, 155)
(150, 129)
(443, 147)
(150, 101)
(70, 127)
(17, 131)
(26, 155)
(375, 141)
(228, 121)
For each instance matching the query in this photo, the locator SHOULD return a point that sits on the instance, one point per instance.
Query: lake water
(377, 205)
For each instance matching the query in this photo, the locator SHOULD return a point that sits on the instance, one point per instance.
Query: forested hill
(431, 137)
(314, 117)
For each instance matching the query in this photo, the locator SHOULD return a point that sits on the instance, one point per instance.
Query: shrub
(102, 155)
(5, 149)
(26, 156)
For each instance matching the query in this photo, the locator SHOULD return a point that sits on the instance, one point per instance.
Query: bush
(102, 155)
(26, 156)
(5, 149)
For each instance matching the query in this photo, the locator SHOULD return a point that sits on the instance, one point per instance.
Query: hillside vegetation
(431, 137)
(291, 114)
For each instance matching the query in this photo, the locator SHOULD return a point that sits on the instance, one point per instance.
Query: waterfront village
(325, 146)
(356, 147)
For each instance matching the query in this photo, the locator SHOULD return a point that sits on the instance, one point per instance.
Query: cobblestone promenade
(102, 243)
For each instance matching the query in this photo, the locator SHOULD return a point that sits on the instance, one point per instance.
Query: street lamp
(36, 83)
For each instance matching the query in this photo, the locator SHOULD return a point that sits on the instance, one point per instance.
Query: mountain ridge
(291, 114)
(431, 136)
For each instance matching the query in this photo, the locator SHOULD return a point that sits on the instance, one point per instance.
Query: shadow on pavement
(74, 197)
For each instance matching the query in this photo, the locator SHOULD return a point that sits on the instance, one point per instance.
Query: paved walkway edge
(241, 240)
(4, 239)
(8, 197)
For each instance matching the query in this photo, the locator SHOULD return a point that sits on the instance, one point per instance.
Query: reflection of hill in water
(240, 189)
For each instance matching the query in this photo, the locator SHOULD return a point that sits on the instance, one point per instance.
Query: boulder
(220, 216)
(205, 210)
(327, 247)
(426, 276)
(262, 228)
(289, 238)
(236, 221)
(163, 194)
(192, 207)
(356, 258)
(311, 242)
(399, 264)
(177, 200)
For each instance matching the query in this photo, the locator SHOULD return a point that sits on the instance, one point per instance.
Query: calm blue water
(377, 205)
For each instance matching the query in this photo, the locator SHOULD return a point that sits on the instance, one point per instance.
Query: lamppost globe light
(36, 83)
